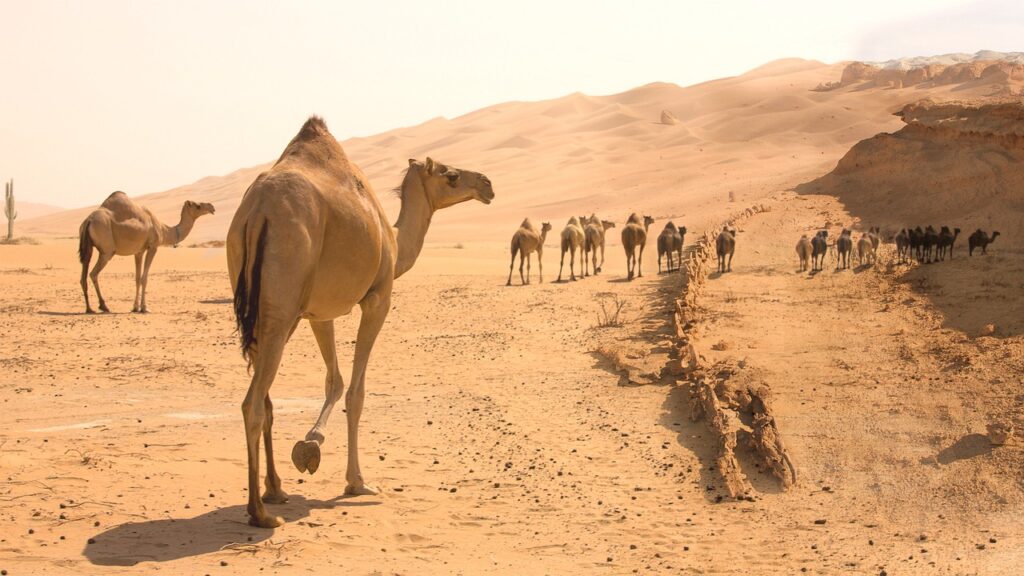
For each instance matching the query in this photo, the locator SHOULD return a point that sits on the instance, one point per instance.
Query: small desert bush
(610, 314)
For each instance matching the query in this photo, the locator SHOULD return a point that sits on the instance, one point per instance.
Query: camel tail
(247, 293)
(84, 243)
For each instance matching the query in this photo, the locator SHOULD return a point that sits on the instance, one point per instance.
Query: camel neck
(413, 221)
(171, 235)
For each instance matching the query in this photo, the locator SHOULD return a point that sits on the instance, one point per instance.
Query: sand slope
(609, 154)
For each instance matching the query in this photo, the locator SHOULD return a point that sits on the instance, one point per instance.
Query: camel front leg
(375, 309)
(522, 278)
(138, 281)
(529, 258)
(540, 264)
(306, 453)
(561, 266)
(510, 266)
(640, 263)
(101, 263)
(145, 277)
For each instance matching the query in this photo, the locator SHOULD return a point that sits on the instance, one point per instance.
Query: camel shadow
(621, 280)
(969, 446)
(170, 539)
(98, 314)
(217, 301)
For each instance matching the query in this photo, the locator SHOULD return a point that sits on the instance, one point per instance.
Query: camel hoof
(266, 521)
(306, 456)
(90, 311)
(275, 497)
(104, 309)
(363, 490)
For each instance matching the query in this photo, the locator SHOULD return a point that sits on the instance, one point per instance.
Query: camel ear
(430, 165)
(412, 161)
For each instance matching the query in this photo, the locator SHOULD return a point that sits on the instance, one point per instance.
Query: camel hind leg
(101, 263)
(86, 258)
(513, 263)
(266, 360)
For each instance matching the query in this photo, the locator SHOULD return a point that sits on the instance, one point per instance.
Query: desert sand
(502, 440)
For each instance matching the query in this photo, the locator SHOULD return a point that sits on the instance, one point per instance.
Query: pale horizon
(111, 96)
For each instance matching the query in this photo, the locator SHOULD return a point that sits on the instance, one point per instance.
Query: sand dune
(770, 113)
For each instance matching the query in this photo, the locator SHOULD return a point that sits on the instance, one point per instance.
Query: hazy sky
(143, 96)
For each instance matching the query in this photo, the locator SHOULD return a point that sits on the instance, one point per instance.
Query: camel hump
(313, 128)
(118, 201)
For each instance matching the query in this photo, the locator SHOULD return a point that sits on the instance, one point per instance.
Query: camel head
(682, 230)
(648, 221)
(545, 227)
(447, 186)
(607, 224)
(196, 209)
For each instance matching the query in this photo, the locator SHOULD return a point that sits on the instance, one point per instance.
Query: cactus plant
(9, 210)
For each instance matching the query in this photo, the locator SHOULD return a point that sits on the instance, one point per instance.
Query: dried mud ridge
(730, 397)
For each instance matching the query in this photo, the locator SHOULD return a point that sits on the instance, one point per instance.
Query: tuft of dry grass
(610, 315)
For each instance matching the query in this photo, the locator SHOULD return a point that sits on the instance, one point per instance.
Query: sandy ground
(501, 441)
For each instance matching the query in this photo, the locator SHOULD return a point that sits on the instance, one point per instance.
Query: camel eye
(453, 177)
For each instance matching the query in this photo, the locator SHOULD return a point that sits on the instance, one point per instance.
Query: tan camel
(725, 247)
(594, 234)
(670, 242)
(120, 227)
(310, 241)
(572, 241)
(634, 235)
(525, 241)
(804, 251)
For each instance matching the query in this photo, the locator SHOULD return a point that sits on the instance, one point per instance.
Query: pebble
(820, 521)
(223, 562)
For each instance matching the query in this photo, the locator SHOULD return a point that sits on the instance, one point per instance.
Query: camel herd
(585, 236)
(310, 241)
(926, 246)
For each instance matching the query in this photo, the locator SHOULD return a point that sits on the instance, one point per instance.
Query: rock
(668, 118)
(999, 433)
(987, 330)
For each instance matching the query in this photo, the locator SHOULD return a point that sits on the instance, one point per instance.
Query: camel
(725, 245)
(902, 245)
(804, 250)
(980, 240)
(670, 241)
(525, 241)
(928, 243)
(819, 247)
(572, 241)
(916, 243)
(594, 235)
(844, 246)
(310, 241)
(120, 227)
(874, 234)
(865, 249)
(634, 235)
(947, 239)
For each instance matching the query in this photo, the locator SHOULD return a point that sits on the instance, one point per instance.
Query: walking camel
(670, 241)
(819, 248)
(310, 241)
(593, 238)
(525, 241)
(804, 251)
(634, 235)
(572, 241)
(725, 246)
(844, 247)
(979, 239)
(120, 227)
(865, 249)
(902, 245)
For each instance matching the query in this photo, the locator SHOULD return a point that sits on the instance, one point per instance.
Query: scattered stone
(223, 562)
(820, 521)
(91, 541)
(991, 540)
(999, 433)
(987, 330)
